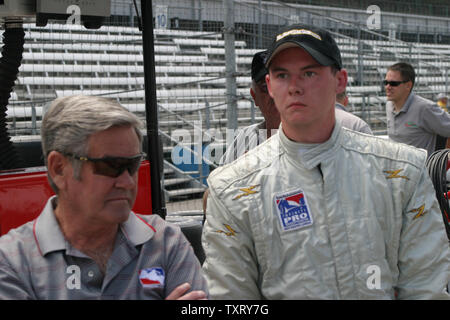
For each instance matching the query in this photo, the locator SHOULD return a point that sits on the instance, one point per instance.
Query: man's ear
(252, 93)
(269, 88)
(57, 166)
(409, 85)
(342, 79)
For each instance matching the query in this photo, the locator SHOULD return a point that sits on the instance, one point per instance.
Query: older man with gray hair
(87, 243)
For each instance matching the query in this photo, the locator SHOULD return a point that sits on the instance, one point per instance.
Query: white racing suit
(353, 218)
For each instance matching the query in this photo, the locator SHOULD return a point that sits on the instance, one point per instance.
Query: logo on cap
(298, 32)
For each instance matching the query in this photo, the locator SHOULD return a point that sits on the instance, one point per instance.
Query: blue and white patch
(293, 210)
(152, 277)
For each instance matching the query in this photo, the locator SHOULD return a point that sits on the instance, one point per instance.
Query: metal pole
(207, 115)
(151, 110)
(252, 111)
(230, 61)
(260, 45)
(446, 81)
(131, 15)
(33, 119)
(200, 16)
(360, 56)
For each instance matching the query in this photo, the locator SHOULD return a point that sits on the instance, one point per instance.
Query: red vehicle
(24, 193)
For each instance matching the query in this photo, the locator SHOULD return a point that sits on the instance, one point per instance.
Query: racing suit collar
(307, 155)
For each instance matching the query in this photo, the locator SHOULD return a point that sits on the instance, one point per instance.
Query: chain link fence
(202, 62)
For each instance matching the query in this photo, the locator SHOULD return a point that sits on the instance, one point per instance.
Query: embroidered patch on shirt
(246, 192)
(392, 174)
(411, 124)
(230, 231)
(419, 212)
(152, 277)
(293, 210)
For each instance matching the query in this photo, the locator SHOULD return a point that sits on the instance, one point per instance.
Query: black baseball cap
(258, 68)
(317, 42)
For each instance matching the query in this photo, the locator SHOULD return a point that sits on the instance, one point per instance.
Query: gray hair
(70, 121)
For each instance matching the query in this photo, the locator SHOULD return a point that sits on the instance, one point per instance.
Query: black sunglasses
(112, 166)
(394, 83)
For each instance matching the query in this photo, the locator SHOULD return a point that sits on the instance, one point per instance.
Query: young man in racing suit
(318, 211)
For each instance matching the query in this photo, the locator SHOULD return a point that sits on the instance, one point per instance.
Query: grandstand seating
(61, 60)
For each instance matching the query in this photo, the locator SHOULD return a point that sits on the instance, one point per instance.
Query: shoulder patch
(246, 192)
(392, 174)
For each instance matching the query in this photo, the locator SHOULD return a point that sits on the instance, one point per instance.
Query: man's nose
(295, 85)
(126, 181)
